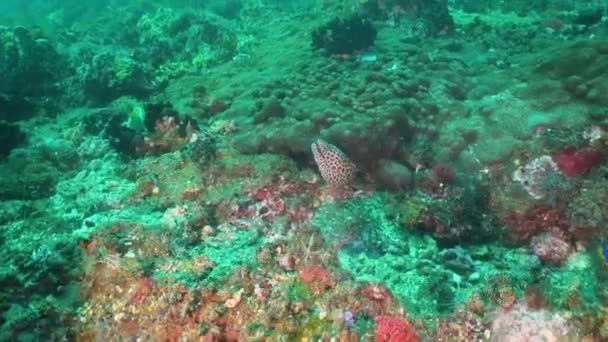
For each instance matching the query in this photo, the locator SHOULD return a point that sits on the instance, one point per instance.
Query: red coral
(375, 299)
(263, 193)
(462, 325)
(572, 162)
(443, 174)
(377, 294)
(394, 329)
(267, 206)
(524, 225)
(316, 274)
(299, 215)
(169, 134)
(143, 289)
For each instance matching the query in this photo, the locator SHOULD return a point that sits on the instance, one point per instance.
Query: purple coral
(335, 167)
(347, 317)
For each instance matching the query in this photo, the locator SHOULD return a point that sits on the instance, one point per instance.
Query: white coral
(532, 174)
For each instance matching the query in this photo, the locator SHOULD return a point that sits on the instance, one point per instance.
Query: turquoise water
(257, 170)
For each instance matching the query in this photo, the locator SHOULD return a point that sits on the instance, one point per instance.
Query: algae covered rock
(581, 67)
(31, 71)
(148, 51)
(344, 36)
(11, 136)
(109, 74)
(25, 56)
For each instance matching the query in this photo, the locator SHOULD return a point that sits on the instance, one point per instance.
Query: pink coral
(378, 299)
(520, 324)
(335, 167)
(572, 162)
(551, 247)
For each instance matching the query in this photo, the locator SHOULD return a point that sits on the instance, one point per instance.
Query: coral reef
(183, 171)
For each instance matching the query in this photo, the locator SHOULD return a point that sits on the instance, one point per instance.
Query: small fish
(241, 57)
(603, 249)
(367, 57)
